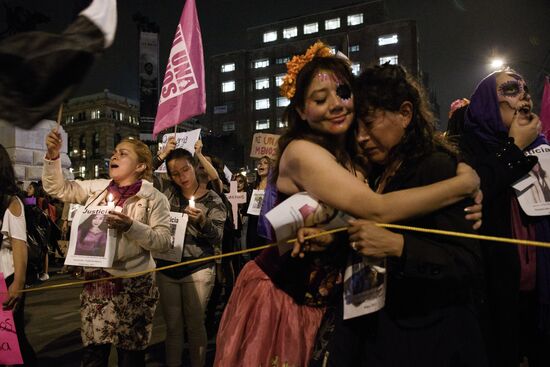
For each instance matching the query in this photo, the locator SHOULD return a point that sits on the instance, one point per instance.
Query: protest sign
(364, 286)
(533, 190)
(185, 140)
(264, 145)
(91, 242)
(178, 226)
(256, 200)
(9, 345)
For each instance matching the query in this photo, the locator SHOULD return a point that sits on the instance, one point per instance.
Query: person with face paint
(278, 302)
(118, 312)
(499, 126)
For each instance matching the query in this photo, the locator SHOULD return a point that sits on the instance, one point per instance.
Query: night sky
(456, 37)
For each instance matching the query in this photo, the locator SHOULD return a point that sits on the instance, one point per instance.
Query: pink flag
(545, 109)
(9, 345)
(183, 94)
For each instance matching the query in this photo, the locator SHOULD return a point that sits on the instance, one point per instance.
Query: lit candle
(192, 202)
(110, 201)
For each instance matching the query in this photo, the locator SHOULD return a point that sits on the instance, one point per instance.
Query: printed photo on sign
(256, 200)
(91, 242)
(364, 286)
(178, 226)
(185, 140)
(533, 190)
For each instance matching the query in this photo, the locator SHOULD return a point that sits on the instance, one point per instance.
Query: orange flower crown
(318, 49)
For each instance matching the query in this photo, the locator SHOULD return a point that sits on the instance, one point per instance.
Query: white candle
(110, 201)
(192, 202)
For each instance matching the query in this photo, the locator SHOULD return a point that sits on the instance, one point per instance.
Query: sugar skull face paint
(513, 97)
(325, 108)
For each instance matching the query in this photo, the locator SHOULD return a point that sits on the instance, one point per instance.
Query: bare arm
(306, 166)
(208, 168)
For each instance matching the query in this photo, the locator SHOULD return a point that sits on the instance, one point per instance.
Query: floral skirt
(262, 326)
(119, 311)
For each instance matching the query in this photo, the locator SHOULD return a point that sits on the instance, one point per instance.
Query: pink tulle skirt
(263, 327)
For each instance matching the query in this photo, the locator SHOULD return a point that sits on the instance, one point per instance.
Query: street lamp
(497, 63)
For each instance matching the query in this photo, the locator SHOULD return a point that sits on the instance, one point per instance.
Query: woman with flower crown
(278, 301)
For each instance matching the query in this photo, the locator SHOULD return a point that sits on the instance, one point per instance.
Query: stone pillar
(27, 149)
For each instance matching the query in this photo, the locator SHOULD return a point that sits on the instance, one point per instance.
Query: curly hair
(387, 87)
(300, 129)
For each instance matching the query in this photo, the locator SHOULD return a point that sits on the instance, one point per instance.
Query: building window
(355, 19)
(262, 83)
(282, 60)
(262, 124)
(356, 68)
(95, 144)
(228, 86)
(311, 28)
(226, 68)
(388, 39)
(281, 124)
(333, 49)
(228, 126)
(96, 114)
(290, 32)
(332, 24)
(279, 79)
(262, 104)
(392, 60)
(261, 63)
(270, 36)
(96, 171)
(282, 101)
(354, 48)
(69, 119)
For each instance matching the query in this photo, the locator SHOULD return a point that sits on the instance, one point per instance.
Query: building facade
(243, 86)
(95, 124)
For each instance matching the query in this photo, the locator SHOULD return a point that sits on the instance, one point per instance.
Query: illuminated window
(96, 114)
(355, 19)
(392, 59)
(353, 48)
(311, 28)
(261, 63)
(290, 32)
(282, 101)
(228, 86)
(332, 24)
(282, 60)
(279, 79)
(262, 124)
(388, 39)
(356, 68)
(262, 104)
(270, 36)
(226, 68)
(281, 124)
(262, 83)
(228, 126)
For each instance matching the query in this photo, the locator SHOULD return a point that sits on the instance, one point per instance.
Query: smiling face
(182, 173)
(513, 95)
(124, 167)
(328, 104)
(380, 131)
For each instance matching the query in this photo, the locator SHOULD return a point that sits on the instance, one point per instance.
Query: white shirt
(12, 227)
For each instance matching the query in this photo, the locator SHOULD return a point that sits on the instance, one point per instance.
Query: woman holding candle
(119, 311)
(185, 290)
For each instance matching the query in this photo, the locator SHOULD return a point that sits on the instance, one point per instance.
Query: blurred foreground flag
(40, 70)
(183, 94)
(545, 108)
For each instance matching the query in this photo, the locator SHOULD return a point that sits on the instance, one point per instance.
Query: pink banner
(183, 94)
(545, 108)
(9, 346)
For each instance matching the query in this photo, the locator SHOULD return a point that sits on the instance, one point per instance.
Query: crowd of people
(366, 146)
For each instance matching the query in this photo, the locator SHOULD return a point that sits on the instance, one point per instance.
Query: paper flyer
(256, 200)
(185, 140)
(91, 242)
(178, 226)
(72, 211)
(533, 190)
(364, 286)
(302, 210)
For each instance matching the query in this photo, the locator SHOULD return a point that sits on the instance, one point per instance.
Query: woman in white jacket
(120, 311)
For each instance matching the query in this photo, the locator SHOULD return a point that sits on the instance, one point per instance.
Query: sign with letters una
(9, 345)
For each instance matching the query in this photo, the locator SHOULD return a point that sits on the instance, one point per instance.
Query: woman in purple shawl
(499, 126)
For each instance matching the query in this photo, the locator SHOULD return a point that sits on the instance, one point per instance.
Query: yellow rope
(341, 229)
